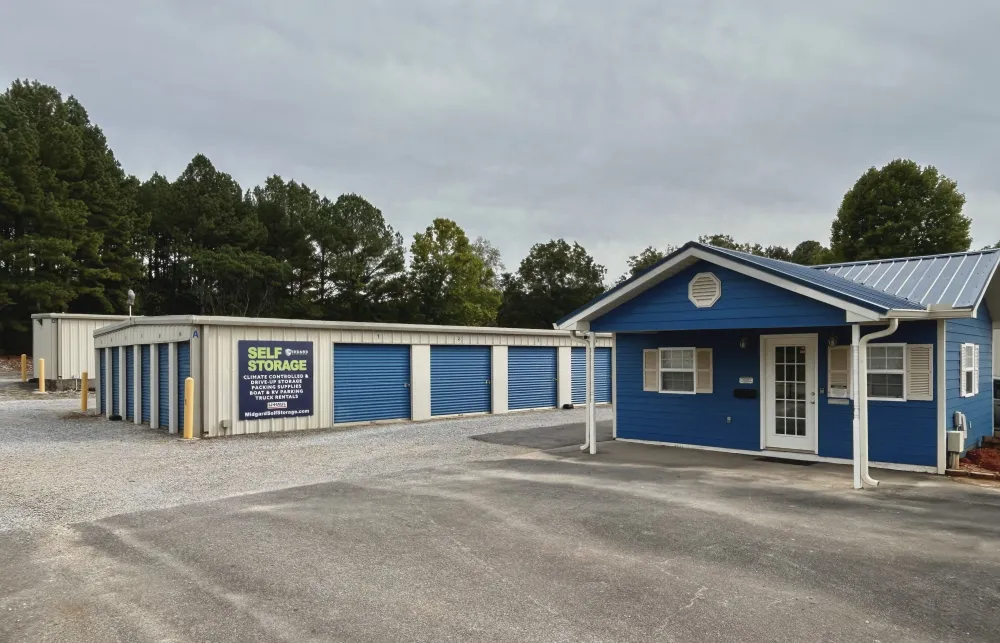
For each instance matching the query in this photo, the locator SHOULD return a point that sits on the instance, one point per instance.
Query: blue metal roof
(916, 283)
(956, 280)
(823, 281)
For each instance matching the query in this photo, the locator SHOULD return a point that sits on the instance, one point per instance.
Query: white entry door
(790, 380)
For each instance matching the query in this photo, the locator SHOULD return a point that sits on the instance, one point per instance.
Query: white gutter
(861, 401)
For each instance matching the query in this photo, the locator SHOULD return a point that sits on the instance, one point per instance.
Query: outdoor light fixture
(743, 342)
(831, 342)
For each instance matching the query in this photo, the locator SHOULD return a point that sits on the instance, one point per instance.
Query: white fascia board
(953, 313)
(735, 266)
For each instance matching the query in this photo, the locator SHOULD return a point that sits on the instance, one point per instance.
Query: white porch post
(591, 398)
(856, 401)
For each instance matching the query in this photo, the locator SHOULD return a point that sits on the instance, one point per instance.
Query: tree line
(77, 232)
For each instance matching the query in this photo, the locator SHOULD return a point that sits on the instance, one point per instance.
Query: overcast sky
(617, 124)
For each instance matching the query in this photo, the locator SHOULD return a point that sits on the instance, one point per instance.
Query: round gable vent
(704, 290)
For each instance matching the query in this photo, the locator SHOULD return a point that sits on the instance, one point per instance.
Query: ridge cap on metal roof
(965, 253)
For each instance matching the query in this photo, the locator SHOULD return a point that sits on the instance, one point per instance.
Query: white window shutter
(651, 370)
(962, 367)
(838, 371)
(919, 372)
(975, 370)
(703, 368)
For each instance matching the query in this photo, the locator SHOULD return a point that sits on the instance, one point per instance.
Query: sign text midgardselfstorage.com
(275, 379)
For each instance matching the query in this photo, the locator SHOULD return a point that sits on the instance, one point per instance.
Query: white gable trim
(608, 303)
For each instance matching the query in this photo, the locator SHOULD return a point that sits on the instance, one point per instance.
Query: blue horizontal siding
(745, 303)
(978, 409)
(901, 432)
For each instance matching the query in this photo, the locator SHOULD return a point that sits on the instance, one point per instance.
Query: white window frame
(969, 366)
(886, 371)
(693, 370)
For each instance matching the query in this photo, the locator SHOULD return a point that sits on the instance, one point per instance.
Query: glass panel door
(790, 392)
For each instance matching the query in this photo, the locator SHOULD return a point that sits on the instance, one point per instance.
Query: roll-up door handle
(407, 385)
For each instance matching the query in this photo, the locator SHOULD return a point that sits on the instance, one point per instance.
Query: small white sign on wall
(746, 380)
(838, 392)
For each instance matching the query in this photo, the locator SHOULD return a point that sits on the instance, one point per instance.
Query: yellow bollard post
(24, 367)
(84, 386)
(41, 375)
(189, 408)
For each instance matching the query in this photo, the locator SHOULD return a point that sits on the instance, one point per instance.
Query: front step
(992, 442)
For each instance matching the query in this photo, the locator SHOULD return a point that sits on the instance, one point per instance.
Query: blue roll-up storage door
(115, 377)
(602, 375)
(145, 370)
(183, 372)
(531, 377)
(371, 382)
(460, 380)
(104, 382)
(163, 384)
(579, 363)
(129, 382)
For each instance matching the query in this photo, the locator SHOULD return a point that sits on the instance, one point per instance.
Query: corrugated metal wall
(531, 377)
(163, 384)
(76, 346)
(129, 383)
(460, 379)
(43, 341)
(115, 375)
(371, 382)
(145, 373)
(221, 367)
(104, 383)
(183, 372)
(216, 382)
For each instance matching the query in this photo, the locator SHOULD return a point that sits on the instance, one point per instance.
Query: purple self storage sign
(276, 379)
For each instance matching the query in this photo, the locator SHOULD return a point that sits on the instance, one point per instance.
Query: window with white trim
(970, 370)
(677, 370)
(887, 372)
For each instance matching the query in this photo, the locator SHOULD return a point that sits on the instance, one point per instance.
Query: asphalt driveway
(639, 543)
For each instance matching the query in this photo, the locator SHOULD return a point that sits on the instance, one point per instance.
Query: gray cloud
(615, 124)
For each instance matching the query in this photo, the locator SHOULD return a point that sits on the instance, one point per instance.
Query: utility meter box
(956, 441)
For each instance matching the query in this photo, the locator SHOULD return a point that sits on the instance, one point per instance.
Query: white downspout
(586, 422)
(863, 395)
(856, 399)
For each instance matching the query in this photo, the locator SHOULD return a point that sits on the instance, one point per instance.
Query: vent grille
(704, 290)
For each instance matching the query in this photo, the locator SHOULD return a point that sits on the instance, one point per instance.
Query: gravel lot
(57, 467)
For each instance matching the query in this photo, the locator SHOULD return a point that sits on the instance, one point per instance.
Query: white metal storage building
(66, 343)
(263, 375)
